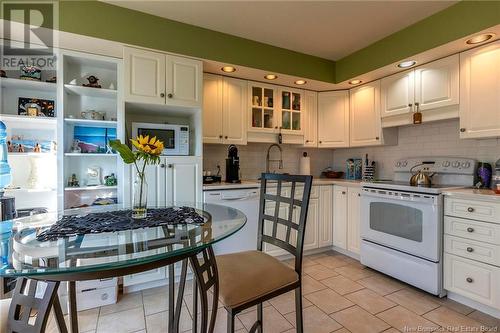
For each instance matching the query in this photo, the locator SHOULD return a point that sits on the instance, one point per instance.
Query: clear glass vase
(140, 197)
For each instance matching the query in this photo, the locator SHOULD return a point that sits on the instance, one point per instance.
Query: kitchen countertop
(251, 183)
(468, 193)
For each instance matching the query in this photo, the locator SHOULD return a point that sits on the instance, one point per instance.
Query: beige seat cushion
(4, 311)
(246, 276)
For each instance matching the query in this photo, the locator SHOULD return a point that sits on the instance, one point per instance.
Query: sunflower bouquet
(147, 152)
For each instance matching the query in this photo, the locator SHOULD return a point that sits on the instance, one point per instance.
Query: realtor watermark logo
(28, 30)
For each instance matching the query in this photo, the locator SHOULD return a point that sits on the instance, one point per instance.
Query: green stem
(141, 176)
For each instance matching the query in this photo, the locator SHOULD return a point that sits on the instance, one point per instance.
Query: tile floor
(340, 295)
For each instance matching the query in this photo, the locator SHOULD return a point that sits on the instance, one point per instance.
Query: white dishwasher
(245, 200)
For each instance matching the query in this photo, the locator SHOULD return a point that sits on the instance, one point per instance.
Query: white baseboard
(475, 305)
(346, 252)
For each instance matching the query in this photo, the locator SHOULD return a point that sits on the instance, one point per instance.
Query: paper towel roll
(305, 165)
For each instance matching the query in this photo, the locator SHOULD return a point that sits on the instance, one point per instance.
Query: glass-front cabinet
(263, 107)
(291, 108)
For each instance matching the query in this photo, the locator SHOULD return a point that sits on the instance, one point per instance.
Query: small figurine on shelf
(10, 147)
(20, 149)
(2, 73)
(110, 180)
(93, 82)
(75, 147)
(73, 181)
(52, 80)
(37, 148)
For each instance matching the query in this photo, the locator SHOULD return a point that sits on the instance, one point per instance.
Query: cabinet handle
(470, 280)
(410, 105)
(470, 209)
(162, 165)
(170, 95)
(376, 138)
(470, 249)
(462, 129)
(220, 136)
(225, 137)
(162, 95)
(170, 166)
(321, 142)
(307, 141)
(359, 194)
(343, 192)
(275, 127)
(469, 229)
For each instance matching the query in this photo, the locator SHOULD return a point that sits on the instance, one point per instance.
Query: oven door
(408, 222)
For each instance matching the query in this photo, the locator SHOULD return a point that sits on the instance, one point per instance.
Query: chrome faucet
(280, 161)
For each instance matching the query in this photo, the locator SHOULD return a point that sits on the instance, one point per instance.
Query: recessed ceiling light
(406, 64)
(300, 82)
(479, 38)
(270, 77)
(228, 69)
(354, 82)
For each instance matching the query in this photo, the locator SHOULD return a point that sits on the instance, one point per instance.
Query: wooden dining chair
(252, 277)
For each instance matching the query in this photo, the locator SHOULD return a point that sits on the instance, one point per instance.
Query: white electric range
(402, 225)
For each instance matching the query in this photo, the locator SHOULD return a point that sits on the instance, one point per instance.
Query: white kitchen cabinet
(234, 115)
(144, 76)
(184, 82)
(263, 108)
(333, 119)
(479, 91)
(311, 237)
(340, 216)
(397, 94)
(311, 119)
(175, 179)
(437, 84)
(184, 179)
(291, 110)
(365, 126)
(432, 88)
(212, 109)
(325, 215)
(158, 78)
(353, 219)
(224, 110)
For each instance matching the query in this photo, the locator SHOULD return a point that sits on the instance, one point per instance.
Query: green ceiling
(110, 22)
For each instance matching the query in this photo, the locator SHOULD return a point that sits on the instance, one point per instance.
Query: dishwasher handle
(228, 196)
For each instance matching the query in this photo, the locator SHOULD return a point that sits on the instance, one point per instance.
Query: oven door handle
(399, 196)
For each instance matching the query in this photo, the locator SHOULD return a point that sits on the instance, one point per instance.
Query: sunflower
(148, 146)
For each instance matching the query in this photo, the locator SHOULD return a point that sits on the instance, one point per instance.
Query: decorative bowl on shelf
(333, 174)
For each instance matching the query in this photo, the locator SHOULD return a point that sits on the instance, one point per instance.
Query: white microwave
(175, 138)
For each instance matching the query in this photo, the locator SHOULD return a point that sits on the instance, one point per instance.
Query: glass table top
(21, 254)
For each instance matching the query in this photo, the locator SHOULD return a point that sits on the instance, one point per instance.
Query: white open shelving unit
(75, 98)
(71, 98)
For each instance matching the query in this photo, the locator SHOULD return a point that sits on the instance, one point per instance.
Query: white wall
(253, 159)
(433, 139)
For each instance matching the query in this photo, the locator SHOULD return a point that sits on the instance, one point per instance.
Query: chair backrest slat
(290, 220)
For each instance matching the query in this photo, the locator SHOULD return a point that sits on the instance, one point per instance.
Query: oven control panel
(453, 165)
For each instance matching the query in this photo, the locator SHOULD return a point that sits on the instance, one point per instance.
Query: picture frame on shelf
(93, 139)
(35, 107)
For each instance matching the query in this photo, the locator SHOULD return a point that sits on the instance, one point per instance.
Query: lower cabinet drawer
(470, 229)
(472, 209)
(470, 249)
(472, 279)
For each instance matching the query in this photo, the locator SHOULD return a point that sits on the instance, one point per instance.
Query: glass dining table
(41, 259)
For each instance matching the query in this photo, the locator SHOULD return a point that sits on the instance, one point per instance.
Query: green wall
(102, 20)
(455, 22)
(110, 22)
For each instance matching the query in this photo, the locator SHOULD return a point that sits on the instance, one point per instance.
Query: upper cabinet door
(333, 119)
(144, 76)
(234, 112)
(437, 83)
(291, 110)
(479, 92)
(311, 119)
(365, 125)
(212, 109)
(262, 101)
(397, 94)
(184, 82)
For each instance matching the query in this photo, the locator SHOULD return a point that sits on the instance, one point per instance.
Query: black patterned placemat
(93, 223)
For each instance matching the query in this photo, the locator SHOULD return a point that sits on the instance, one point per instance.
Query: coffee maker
(232, 165)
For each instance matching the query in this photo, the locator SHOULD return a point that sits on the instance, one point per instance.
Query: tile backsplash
(432, 139)
(253, 159)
